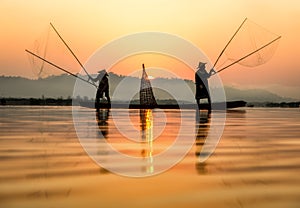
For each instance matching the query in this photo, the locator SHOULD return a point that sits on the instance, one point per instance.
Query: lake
(47, 161)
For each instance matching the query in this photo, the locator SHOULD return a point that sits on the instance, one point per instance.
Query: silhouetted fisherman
(103, 87)
(202, 90)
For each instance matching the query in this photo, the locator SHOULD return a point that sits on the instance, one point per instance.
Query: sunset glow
(150, 103)
(88, 25)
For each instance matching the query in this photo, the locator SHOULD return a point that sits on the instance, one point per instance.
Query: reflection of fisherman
(202, 129)
(103, 87)
(202, 90)
(102, 117)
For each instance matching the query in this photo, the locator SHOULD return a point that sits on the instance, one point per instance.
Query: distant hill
(54, 86)
(254, 95)
(62, 86)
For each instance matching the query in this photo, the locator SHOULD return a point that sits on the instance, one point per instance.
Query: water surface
(43, 164)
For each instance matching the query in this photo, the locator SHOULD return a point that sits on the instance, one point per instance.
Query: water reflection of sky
(126, 142)
(255, 163)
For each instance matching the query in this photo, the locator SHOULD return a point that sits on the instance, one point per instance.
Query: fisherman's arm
(93, 79)
(212, 72)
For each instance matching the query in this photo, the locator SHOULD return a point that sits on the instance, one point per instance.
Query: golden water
(256, 163)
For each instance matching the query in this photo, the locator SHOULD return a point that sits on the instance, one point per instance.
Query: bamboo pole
(248, 54)
(71, 51)
(229, 42)
(60, 68)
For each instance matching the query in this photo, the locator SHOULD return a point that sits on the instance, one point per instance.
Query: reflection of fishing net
(51, 48)
(252, 45)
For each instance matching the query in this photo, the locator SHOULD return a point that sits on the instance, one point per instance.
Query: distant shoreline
(69, 102)
(62, 86)
(36, 101)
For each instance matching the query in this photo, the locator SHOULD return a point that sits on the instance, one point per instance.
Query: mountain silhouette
(61, 86)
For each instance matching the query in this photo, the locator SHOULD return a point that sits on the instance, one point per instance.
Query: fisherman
(201, 79)
(103, 87)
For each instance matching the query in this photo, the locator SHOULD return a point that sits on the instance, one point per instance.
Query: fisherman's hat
(201, 64)
(102, 71)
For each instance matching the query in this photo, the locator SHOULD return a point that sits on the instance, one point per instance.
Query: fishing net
(49, 46)
(146, 93)
(252, 45)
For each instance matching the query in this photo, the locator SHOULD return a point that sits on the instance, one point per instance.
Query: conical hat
(102, 71)
(201, 64)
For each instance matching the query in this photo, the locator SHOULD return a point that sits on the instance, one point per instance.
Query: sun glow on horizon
(151, 77)
(206, 24)
(153, 61)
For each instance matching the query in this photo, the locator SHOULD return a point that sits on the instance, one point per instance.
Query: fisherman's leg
(97, 103)
(107, 96)
(209, 104)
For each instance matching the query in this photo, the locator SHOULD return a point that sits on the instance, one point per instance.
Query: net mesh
(252, 38)
(50, 47)
(146, 94)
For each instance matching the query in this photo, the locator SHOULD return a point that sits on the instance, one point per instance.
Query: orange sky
(88, 25)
